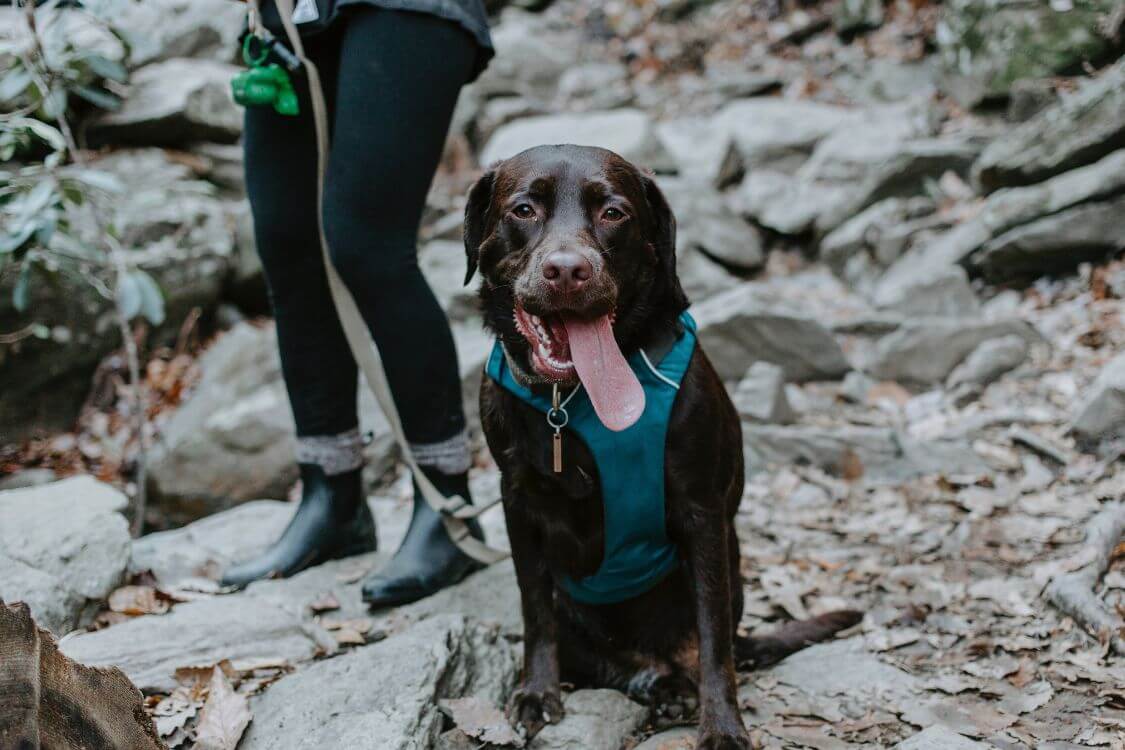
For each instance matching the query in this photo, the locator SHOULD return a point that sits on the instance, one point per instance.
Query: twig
(1073, 593)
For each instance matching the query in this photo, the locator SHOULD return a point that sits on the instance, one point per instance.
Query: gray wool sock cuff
(450, 456)
(335, 454)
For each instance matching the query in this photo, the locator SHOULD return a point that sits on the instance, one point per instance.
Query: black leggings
(391, 79)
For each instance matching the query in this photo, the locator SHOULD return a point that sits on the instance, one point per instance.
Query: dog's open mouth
(565, 347)
(549, 343)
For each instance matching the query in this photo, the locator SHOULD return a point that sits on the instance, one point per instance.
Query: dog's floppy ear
(663, 241)
(476, 220)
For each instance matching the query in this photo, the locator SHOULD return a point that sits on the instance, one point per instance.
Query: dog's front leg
(536, 702)
(720, 724)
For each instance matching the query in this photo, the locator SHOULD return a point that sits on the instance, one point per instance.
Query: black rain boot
(332, 521)
(427, 560)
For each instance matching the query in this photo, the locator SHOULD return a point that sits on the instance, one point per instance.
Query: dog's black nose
(566, 270)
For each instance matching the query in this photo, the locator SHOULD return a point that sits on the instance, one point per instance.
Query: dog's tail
(755, 653)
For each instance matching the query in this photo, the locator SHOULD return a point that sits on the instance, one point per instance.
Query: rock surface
(989, 361)
(628, 132)
(925, 350)
(174, 102)
(384, 695)
(64, 547)
(760, 395)
(1081, 128)
(595, 720)
(738, 328)
(1103, 412)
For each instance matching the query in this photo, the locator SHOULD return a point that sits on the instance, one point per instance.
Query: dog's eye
(524, 211)
(613, 214)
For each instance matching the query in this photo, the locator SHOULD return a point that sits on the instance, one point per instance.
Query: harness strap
(454, 511)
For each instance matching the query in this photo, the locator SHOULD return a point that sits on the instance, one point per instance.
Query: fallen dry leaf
(138, 600)
(326, 602)
(482, 721)
(224, 717)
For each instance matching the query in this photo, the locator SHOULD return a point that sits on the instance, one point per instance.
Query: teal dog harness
(638, 554)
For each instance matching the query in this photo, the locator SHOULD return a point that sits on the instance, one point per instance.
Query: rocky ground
(899, 226)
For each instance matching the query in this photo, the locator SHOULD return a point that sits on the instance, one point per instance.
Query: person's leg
(399, 76)
(320, 373)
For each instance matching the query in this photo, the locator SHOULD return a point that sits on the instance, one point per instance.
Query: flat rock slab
(628, 132)
(749, 323)
(595, 720)
(846, 668)
(681, 738)
(385, 695)
(150, 649)
(64, 547)
(205, 547)
(940, 738)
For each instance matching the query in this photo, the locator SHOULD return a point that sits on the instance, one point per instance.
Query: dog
(576, 249)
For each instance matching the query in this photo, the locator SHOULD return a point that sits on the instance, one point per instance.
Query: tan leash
(454, 511)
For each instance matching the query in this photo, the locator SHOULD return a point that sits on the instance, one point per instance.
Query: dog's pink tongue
(614, 390)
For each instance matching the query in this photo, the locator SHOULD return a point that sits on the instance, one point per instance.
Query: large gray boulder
(150, 649)
(595, 720)
(164, 29)
(174, 102)
(987, 45)
(1081, 128)
(207, 546)
(1002, 211)
(925, 350)
(705, 222)
(880, 153)
(385, 695)
(778, 131)
(531, 55)
(183, 240)
(628, 132)
(1055, 243)
(750, 323)
(1102, 412)
(878, 454)
(233, 439)
(64, 547)
(989, 361)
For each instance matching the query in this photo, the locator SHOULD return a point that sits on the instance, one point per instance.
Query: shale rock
(233, 439)
(778, 131)
(946, 292)
(166, 29)
(337, 703)
(1002, 211)
(706, 223)
(595, 720)
(925, 350)
(64, 547)
(1081, 128)
(1054, 244)
(200, 633)
(628, 132)
(531, 56)
(1102, 414)
(989, 361)
(875, 453)
(747, 324)
(760, 396)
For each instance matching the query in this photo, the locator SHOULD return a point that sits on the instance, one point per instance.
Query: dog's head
(571, 239)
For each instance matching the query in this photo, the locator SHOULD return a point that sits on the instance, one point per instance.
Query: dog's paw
(722, 740)
(673, 700)
(531, 710)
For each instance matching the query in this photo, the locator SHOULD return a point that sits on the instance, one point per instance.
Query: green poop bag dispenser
(266, 84)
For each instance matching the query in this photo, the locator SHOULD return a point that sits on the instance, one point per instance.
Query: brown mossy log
(48, 701)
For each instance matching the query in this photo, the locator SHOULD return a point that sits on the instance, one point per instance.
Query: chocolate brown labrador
(576, 247)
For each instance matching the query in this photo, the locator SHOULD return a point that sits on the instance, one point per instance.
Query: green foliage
(47, 200)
